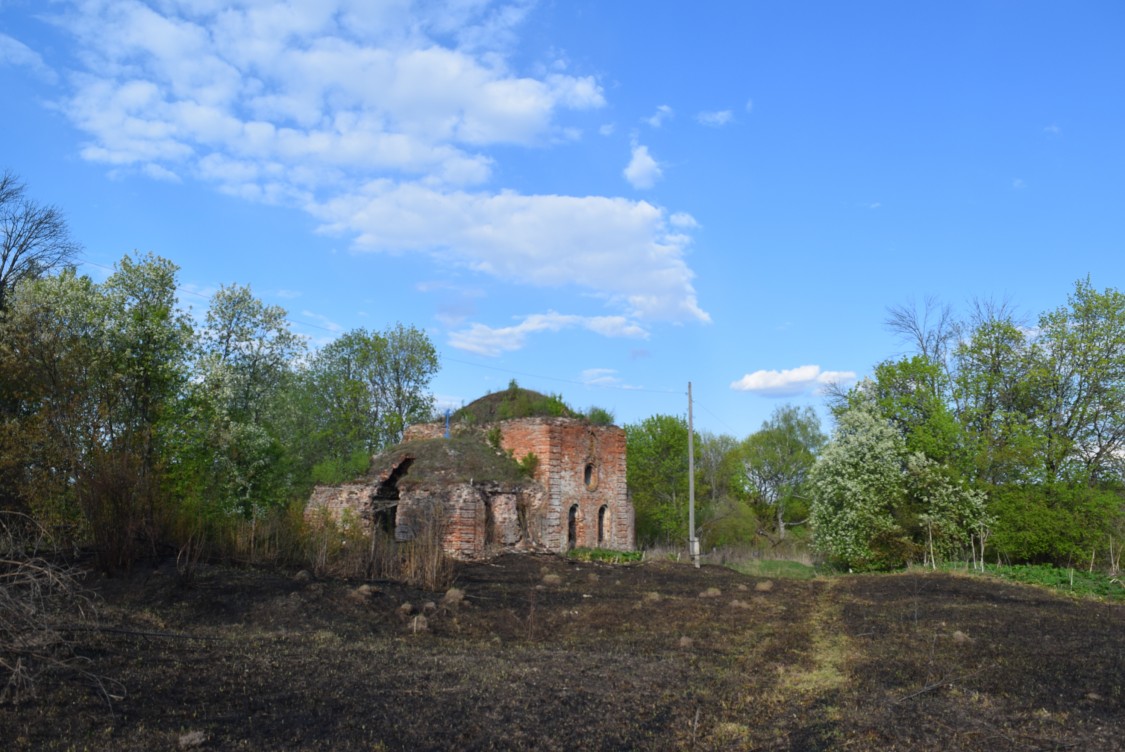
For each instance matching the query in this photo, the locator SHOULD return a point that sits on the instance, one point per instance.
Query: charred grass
(538, 652)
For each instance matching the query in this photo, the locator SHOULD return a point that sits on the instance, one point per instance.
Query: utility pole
(693, 542)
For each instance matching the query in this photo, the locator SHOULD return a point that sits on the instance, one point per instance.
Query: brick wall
(581, 474)
(567, 450)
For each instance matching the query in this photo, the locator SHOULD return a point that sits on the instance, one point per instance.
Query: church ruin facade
(551, 484)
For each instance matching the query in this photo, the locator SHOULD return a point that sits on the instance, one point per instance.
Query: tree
(912, 393)
(35, 238)
(95, 370)
(1078, 378)
(856, 485)
(657, 477)
(234, 459)
(994, 397)
(777, 459)
(365, 388)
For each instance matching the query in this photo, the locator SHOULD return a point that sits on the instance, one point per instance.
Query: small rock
(453, 598)
(406, 609)
(961, 637)
(739, 604)
(429, 607)
(652, 596)
(593, 577)
(303, 576)
(192, 739)
(764, 586)
(711, 592)
(419, 624)
(551, 579)
(686, 643)
(742, 586)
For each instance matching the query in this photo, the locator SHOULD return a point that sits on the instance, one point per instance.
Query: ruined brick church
(497, 477)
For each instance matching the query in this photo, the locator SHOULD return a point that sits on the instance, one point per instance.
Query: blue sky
(600, 199)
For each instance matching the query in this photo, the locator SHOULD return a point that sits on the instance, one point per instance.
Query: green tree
(365, 388)
(912, 394)
(1078, 376)
(657, 477)
(776, 462)
(235, 458)
(97, 370)
(995, 397)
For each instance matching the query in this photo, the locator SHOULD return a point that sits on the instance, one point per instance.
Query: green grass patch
(1070, 580)
(606, 555)
(779, 568)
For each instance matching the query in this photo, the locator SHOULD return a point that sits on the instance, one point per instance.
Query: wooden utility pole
(693, 542)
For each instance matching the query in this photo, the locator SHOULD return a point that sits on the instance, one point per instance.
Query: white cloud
(485, 340)
(622, 251)
(381, 120)
(790, 382)
(715, 119)
(15, 52)
(642, 171)
(1053, 129)
(663, 112)
(1018, 184)
(749, 105)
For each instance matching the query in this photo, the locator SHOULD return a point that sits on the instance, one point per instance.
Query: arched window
(603, 524)
(590, 476)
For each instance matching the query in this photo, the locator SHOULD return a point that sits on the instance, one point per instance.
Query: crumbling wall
(340, 502)
(579, 497)
(582, 466)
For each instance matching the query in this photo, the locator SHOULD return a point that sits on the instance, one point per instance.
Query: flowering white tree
(875, 505)
(856, 485)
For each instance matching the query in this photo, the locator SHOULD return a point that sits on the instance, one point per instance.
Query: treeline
(129, 426)
(995, 438)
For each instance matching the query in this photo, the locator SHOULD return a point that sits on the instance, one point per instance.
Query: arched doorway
(572, 527)
(603, 523)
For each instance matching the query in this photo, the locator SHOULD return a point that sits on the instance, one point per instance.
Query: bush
(1051, 524)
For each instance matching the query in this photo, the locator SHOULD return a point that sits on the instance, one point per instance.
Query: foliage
(856, 486)
(513, 402)
(657, 478)
(776, 461)
(1069, 579)
(95, 371)
(1052, 523)
(529, 464)
(599, 416)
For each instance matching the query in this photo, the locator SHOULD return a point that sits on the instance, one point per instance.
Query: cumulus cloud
(715, 119)
(485, 340)
(790, 382)
(642, 171)
(380, 120)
